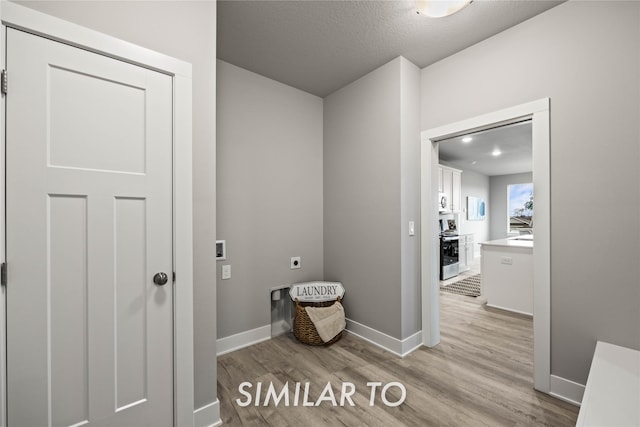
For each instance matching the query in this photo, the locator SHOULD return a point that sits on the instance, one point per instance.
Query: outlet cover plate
(506, 260)
(296, 262)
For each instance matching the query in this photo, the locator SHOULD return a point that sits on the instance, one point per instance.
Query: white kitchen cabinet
(465, 252)
(450, 183)
(469, 250)
(447, 182)
(456, 191)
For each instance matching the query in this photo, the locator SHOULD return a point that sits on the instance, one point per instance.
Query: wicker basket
(303, 328)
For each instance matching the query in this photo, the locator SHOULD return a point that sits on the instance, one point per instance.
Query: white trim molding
(521, 313)
(538, 113)
(16, 16)
(567, 390)
(393, 345)
(243, 339)
(263, 333)
(3, 257)
(38, 23)
(208, 415)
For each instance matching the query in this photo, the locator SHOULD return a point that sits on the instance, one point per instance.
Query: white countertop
(613, 388)
(511, 242)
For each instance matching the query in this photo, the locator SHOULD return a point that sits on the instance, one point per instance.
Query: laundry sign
(316, 291)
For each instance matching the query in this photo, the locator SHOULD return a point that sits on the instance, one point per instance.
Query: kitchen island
(507, 273)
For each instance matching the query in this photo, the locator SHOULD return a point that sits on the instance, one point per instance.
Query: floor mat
(469, 287)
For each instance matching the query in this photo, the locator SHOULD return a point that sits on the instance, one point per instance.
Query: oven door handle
(450, 239)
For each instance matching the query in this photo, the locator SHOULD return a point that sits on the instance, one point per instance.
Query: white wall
(584, 56)
(476, 185)
(185, 30)
(269, 177)
(498, 205)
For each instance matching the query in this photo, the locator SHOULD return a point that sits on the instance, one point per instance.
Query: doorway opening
(538, 113)
(491, 199)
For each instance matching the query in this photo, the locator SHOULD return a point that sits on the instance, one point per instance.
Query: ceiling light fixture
(467, 139)
(440, 8)
(496, 152)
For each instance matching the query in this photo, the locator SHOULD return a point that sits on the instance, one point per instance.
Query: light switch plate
(412, 228)
(226, 272)
(296, 262)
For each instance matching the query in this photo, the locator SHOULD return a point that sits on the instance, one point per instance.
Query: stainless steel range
(449, 257)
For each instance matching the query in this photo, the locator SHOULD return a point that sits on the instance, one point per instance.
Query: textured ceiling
(321, 46)
(514, 142)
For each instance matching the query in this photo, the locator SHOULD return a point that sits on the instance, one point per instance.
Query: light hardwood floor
(479, 375)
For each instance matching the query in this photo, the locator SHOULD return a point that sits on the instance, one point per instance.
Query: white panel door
(89, 223)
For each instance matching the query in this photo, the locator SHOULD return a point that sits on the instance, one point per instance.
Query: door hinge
(4, 83)
(3, 274)
(173, 277)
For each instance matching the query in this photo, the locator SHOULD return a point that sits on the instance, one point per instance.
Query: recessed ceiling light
(466, 139)
(496, 152)
(440, 8)
(474, 162)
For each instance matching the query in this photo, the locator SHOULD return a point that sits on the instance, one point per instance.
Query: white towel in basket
(329, 321)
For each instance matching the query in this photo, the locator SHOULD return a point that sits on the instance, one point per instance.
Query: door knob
(160, 278)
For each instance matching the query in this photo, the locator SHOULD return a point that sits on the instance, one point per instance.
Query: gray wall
(499, 217)
(410, 196)
(187, 31)
(269, 172)
(362, 197)
(476, 185)
(584, 56)
(370, 194)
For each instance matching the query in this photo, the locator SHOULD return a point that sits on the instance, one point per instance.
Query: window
(520, 207)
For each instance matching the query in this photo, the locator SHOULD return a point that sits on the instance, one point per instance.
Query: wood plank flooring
(479, 375)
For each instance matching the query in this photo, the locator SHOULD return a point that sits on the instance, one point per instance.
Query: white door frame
(20, 17)
(538, 111)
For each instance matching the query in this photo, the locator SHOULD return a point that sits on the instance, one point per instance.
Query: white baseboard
(411, 343)
(243, 339)
(566, 390)
(393, 345)
(524, 313)
(254, 336)
(208, 415)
